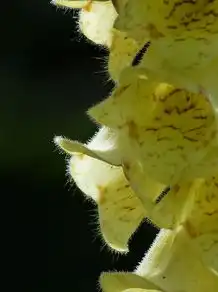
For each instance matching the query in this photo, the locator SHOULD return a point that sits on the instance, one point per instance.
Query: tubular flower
(169, 143)
(127, 166)
(187, 29)
(106, 185)
(155, 154)
(166, 267)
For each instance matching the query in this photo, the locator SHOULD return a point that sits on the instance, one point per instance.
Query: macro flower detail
(113, 168)
(174, 264)
(187, 29)
(155, 153)
(118, 282)
(122, 52)
(106, 185)
(166, 267)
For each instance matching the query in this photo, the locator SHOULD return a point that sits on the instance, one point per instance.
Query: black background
(49, 77)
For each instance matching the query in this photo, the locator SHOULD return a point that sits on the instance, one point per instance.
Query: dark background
(49, 77)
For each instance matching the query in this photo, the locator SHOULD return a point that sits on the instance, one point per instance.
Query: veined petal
(106, 184)
(201, 223)
(168, 263)
(166, 137)
(117, 204)
(122, 52)
(119, 282)
(174, 207)
(131, 100)
(120, 212)
(173, 31)
(158, 19)
(167, 129)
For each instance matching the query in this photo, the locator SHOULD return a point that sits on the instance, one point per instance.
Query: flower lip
(101, 147)
(91, 169)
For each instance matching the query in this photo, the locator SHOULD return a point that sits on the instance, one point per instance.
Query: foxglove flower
(171, 264)
(94, 169)
(155, 154)
(184, 41)
(135, 159)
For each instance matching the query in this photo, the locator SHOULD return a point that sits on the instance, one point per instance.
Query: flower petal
(141, 290)
(172, 30)
(117, 282)
(120, 213)
(162, 143)
(208, 166)
(201, 224)
(131, 100)
(117, 204)
(122, 53)
(97, 22)
(167, 137)
(102, 147)
(158, 19)
(71, 3)
(166, 207)
(168, 263)
(106, 184)
(207, 244)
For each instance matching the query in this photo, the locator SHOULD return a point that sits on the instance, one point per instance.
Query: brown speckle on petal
(102, 191)
(133, 130)
(88, 6)
(190, 229)
(154, 33)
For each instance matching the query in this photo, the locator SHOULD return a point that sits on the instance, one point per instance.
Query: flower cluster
(155, 155)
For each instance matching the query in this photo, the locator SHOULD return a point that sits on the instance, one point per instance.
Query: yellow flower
(184, 38)
(184, 41)
(172, 264)
(155, 155)
(165, 143)
(151, 143)
(106, 185)
(156, 133)
(96, 18)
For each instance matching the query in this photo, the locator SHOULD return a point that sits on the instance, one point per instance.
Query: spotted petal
(106, 184)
